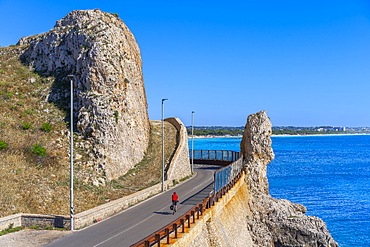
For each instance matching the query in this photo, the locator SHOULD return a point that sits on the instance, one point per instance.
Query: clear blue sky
(307, 63)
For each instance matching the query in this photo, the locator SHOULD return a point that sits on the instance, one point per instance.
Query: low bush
(26, 125)
(29, 112)
(3, 145)
(38, 150)
(116, 116)
(46, 127)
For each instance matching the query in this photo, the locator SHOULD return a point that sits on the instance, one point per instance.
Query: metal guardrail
(223, 175)
(176, 226)
(179, 226)
(216, 155)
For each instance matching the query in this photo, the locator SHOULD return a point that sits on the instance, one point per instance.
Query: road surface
(139, 221)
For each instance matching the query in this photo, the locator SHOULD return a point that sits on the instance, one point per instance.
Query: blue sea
(330, 175)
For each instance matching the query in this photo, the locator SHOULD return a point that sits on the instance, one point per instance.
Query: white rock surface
(110, 106)
(273, 222)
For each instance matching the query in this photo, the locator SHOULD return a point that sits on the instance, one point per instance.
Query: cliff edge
(273, 222)
(247, 215)
(110, 104)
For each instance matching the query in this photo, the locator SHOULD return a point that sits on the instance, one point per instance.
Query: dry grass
(35, 184)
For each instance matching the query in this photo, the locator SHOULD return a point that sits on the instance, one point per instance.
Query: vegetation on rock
(41, 184)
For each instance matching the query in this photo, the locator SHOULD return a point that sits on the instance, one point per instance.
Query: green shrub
(29, 111)
(8, 95)
(10, 229)
(116, 116)
(46, 127)
(38, 150)
(26, 125)
(3, 145)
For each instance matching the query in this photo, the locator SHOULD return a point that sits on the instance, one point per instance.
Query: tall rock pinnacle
(273, 222)
(110, 106)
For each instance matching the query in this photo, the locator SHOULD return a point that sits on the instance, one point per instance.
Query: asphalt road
(139, 221)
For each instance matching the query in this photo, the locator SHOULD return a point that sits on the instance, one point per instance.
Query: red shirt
(175, 197)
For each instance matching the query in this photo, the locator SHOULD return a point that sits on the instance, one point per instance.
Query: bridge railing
(215, 155)
(229, 175)
(225, 174)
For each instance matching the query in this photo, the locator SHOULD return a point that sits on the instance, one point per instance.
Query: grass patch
(46, 127)
(11, 229)
(37, 227)
(149, 171)
(38, 150)
(3, 145)
(26, 126)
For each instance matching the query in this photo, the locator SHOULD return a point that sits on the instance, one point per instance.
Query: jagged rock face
(110, 105)
(273, 222)
(256, 147)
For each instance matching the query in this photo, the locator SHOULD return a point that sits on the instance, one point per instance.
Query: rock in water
(110, 105)
(273, 222)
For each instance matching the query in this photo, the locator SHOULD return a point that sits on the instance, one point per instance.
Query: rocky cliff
(247, 215)
(110, 105)
(273, 222)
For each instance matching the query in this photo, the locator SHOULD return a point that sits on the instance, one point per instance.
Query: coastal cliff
(274, 222)
(110, 105)
(248, 215)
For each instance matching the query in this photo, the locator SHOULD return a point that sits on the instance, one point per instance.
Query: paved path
(143, 219)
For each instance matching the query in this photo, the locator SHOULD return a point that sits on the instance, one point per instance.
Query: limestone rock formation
(273, 222)
(110, 107)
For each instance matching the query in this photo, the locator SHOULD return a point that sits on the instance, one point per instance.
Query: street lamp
(163, 100)
(71, 77)
(192, 141)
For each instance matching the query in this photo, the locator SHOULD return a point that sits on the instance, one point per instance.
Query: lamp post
(163, 100)
(192, 141)
(71, 77)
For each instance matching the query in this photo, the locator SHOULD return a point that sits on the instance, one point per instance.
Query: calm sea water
(330, 175)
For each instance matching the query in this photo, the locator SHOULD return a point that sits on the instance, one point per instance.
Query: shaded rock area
(110, 106)
(273, 222)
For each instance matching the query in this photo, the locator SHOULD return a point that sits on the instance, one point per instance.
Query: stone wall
(14, 220)
(28, 220)
(180, 166)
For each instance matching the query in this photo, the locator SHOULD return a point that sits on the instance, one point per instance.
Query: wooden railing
(169, 233)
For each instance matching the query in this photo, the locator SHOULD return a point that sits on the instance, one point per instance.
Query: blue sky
(307, 63)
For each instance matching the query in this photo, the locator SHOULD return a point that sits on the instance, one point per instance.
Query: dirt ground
(31, 238)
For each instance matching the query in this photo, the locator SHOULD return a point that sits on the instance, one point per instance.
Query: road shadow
(199, 196)
(163, 213)
(207, 167)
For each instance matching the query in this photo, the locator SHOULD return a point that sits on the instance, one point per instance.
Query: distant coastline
(339, 134)
(276, 135)
(235, 132)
